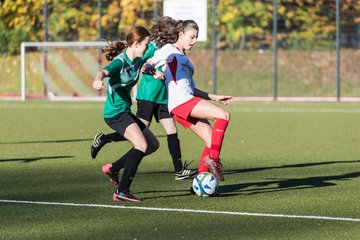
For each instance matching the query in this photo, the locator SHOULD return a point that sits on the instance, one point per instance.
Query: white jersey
(178, 71)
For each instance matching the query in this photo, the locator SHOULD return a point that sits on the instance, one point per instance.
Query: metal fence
(261, 48)
(279, 61)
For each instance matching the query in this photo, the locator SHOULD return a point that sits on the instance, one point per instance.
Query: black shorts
(146, 110)
(120, 122)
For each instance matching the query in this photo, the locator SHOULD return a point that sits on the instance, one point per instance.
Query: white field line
(183, 210)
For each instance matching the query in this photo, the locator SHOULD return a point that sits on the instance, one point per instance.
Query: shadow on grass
(245, 170)
(167, 193)
(50, 141)
(33, 159)
(61, 140)
(300, 165)
(277, 185)
(273, 185)
(186, 194)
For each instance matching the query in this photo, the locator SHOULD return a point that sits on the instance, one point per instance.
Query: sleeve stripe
(173, 67)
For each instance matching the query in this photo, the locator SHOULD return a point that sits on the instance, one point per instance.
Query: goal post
(61, 70)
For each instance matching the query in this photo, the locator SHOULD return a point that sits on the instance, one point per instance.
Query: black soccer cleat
(185, 173)
(97, 144)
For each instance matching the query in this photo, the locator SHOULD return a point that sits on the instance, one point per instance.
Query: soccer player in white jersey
(188, 105)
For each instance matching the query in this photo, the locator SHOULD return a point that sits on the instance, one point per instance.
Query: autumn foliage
(244, 24)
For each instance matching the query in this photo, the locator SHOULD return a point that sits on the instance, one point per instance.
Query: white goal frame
(24, 45)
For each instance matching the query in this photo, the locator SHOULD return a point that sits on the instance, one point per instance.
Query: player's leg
(134, 134)
(202, 128)
(145, 111)
(202, 166)
(207, 110)
(163, 116)
(120, 123)
(190, 115)
(172, 142)
(181, 170)
(114, 168)
(101, 140)
(151, 140)
(143, 142)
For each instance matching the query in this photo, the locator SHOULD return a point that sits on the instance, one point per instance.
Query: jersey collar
(131, 62)
(179, 49)
(127, 58)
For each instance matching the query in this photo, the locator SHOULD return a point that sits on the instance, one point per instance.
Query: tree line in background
(245, 24)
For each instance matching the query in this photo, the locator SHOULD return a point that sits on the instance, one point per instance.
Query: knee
(225, 115)
(171, 130)
(153, 146)
(142, 146)
(228, 116)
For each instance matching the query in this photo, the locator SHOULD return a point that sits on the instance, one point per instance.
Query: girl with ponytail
(127, 58)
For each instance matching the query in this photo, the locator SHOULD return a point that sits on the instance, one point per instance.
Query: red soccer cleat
(215, 167)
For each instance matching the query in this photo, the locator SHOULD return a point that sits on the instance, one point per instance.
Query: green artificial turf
(295, 159)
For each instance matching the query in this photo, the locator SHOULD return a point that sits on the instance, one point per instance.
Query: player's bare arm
(98, 83)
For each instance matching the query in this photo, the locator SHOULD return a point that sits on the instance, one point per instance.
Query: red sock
(202, 166)
(218, 132)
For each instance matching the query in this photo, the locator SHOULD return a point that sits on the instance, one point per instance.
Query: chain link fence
(307, 62)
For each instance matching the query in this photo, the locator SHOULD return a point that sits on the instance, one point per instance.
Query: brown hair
(166, 29)
(136, 34)
(188, 24)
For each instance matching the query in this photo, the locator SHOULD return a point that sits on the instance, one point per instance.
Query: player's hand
(148, 68)
(222, 99)
(158, 75)
(98, 85)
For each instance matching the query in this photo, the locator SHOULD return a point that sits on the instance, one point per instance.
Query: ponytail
(136, 34)
(114, 49)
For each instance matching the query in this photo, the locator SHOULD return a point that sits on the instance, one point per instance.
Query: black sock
(131, 165)
(175, 151)
(113, 137)
(120, 163)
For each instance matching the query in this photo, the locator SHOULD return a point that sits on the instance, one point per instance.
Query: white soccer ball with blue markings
(205, 184)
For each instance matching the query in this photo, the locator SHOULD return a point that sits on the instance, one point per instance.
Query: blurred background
(264, 48)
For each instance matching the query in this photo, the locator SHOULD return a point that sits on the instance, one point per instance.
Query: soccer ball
(205, 184)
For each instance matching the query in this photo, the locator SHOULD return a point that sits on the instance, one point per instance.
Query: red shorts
(181, 113)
